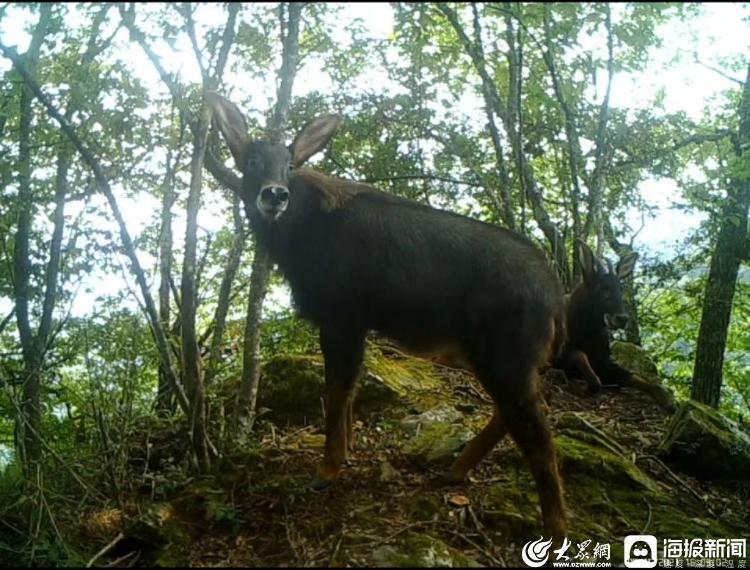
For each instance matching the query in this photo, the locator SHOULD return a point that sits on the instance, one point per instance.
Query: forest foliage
(126, 264)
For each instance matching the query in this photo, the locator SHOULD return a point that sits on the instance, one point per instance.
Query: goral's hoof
(593, 388)
(318, 484)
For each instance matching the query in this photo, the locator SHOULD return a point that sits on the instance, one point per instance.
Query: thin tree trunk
(593, 219)
(571, 136)
(35, 346)
(30, 422)
(722, 277)
(190, 353)
(492, 103)
(199, 127)
(525, 172)
(191, 356)
(514, 56)
(165, 396)
(247, 396)
(222, 307)
(251, 362)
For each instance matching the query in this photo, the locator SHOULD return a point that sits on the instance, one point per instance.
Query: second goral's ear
(313, 138)
(230, 121)
(586, 261)
(626, 264)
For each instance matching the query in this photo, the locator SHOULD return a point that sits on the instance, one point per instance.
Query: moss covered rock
(405, 375)
(587, 452)
(438, 415)
(608, 496)
(424, 507)
(437, 444)
(421, 551)
(705, 443)
(292, 385)
(512, 508)
(635, 359)
(159, 535)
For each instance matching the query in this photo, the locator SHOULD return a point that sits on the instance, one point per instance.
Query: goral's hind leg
(528, 426)
(478, 448)
(510, 377)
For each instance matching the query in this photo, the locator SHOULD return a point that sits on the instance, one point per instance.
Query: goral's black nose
(274, 195)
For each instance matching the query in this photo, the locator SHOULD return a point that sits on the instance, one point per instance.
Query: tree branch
(187, 13)
(493, 104)
(7, 319)
(105, 188)
(288, 71)
(718, 71)
(423, 177)
(698, 138)
(597, 188)
(224, 175)
(226, 43)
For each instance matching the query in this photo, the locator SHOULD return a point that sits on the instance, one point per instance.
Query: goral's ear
(590, 266)
(313, 138)
(625, 266)
(230, 121)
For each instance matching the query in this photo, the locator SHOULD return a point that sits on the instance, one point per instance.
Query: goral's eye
(291, 167)
(252, 163)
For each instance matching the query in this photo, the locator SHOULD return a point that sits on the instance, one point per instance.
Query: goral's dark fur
(365, 259)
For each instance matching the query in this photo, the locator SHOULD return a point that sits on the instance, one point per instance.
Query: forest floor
(388, 510)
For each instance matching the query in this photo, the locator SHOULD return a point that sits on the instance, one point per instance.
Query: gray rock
(635, 359)
(437, 444)
(439, 415)
(705, 443)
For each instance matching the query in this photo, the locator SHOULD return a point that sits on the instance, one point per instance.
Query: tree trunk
(722, 277)
(165, 403)
(574, 156)
(492, 103)
(596, 192)
(525, 171)
(30, 423)
(632, 329)
(190, 354)
(248, 393)
(262, 263)
(222, 306)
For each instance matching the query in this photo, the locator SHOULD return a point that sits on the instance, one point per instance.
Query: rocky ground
(390, 508)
